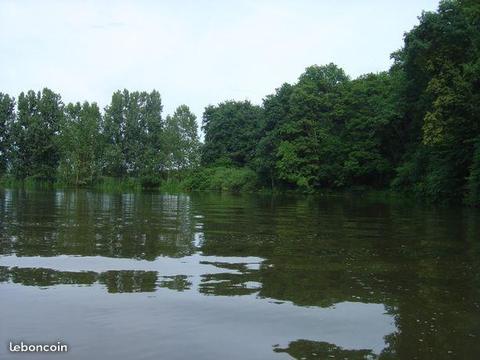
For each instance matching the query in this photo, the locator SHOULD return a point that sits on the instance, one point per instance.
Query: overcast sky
(195, 52)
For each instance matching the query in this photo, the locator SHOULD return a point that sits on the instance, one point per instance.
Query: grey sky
(195, 52)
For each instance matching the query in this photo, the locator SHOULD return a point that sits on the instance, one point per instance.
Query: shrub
(222, 179)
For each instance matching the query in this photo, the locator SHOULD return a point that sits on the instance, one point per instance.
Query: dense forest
(414, 128)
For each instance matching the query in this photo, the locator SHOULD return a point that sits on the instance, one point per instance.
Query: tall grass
(28, 183)
(172, 186)
(111, 184)
(222, 179)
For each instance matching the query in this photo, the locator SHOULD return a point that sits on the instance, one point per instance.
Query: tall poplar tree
(7, 116)
(181, 139)
(80, 144)
(34, 147)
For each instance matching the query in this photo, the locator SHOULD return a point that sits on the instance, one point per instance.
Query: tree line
(415, 127)
(41, 138)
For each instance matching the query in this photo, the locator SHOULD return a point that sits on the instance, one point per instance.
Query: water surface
(206, 276)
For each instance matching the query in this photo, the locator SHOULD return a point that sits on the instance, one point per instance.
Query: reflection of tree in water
(141, 226)
(238, 282)
(423, 264)
(310, 350)
(177, 282)
(45, 277)
(226, 284)
(124, 281)
(129, 281)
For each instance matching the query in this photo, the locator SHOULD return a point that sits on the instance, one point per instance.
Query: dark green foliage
(275, 110)
(33, 148)
(368, 112)
(308, 155)
(474, 178)
(133, 129)
(7, 116)
(110, 184)
(129, 147)
(415, 128)
(114, 134)
(221, 179)
(181, 138)
(327, 131)
(441, 61)
(300, 137)
(80, 144)
(231, 132)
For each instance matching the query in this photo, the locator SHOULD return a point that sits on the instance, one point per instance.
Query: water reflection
(327, 276)
(309, 350)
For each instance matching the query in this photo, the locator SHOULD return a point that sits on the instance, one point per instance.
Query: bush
(171, 186)
(27, 183)
(473, 196)
(222, 179)
(430, 174)
(107, 183)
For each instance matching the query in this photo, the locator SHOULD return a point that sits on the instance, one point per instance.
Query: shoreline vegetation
(177, 187)
(414, 129)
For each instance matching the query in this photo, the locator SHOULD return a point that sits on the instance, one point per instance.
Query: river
(219, 276)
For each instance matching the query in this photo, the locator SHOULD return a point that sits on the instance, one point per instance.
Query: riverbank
(226, 180)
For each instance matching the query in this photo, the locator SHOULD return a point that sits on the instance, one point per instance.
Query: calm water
(210, 276)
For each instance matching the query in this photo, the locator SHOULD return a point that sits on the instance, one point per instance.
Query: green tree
(370, 114)
(441, 60)
(231, 132)
(276, 109)
(133, 130)
(302, 128)
(114, 135)
(80, 144)
(473, 196)
(153, 154)
(181, 139)
(7, 116)
(33, 135)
